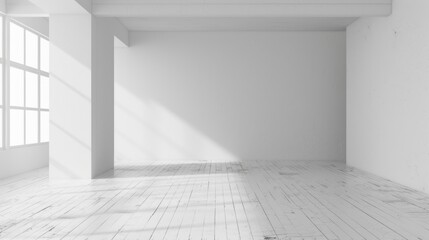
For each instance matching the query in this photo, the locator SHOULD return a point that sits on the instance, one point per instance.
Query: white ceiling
(239, 15)
(212, 15)
(237, 24)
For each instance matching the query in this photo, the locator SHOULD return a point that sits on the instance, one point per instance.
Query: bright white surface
(237, 24)
(32, 90)
(22, 159)
(70, 95)
(16, 39)
(31, 127)
(201, 8)
(241, 8)
(215, 200)
(16, 86)
(31, 50)
(44, 92)
(388, 95)
(16, 126)
(44, 55)
(81, 91)
(231, 95)
(44, 126)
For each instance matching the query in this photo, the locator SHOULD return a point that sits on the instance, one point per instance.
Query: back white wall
(388, 94)
(231, 95)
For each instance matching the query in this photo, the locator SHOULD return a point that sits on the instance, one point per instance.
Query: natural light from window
(27, 78)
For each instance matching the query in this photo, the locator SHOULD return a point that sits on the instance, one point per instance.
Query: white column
(81, 134)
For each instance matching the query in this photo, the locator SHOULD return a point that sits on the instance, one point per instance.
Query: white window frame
(6, 91)
(3, 89)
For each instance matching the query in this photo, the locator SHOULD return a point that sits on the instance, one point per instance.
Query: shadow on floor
(164, 170)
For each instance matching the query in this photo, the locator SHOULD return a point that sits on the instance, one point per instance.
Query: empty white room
(214, 119)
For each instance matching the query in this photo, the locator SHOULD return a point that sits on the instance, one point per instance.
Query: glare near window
(28, 86)
(16, 83)
(44, 55)
(31, 49)
(44, 126)
(31, 90)
(44, 92)
(16, 43)
(16, 127)
(31, 127)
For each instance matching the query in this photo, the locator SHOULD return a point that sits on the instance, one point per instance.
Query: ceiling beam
(24, 8)
(42, 8)
(120, 32)
(3, 6)
(236, 8)
(64, 6)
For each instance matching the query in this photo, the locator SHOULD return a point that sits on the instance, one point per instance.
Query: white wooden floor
(199, 200)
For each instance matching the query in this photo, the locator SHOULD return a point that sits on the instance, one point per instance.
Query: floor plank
(281, 200)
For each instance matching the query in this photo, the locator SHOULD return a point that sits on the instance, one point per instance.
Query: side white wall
(81, 118)
(388, 94)
(231, 95)
(102, 95)
(70, 152)
(22, 159)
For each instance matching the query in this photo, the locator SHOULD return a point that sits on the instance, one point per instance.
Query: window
(1, 85)
(17, 36)
(24, 96)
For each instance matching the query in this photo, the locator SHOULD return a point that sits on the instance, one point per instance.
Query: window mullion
(6, 65)
(4, 89)
(25, 88)
(39, 138)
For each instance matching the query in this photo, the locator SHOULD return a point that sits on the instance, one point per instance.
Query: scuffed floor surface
(218, 200)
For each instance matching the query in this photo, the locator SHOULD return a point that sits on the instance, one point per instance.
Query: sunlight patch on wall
(147, 131)
(69, 133)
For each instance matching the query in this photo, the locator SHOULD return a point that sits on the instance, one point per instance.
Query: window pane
(31, 90)
(16, 127)
(31, 127)
(16, 43)
(16, 87)
(44, 55)
(1, 36)
(44, 126)
(31, 49)
(44, 92)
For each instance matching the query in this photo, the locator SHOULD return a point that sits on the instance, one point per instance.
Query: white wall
(231, 95)
(102, 95)
(81, 91)
(21, 159)
(388, 94)
(26, 158)
(70, 93)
